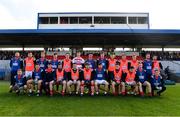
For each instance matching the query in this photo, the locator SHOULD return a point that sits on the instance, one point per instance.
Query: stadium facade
(105, 29)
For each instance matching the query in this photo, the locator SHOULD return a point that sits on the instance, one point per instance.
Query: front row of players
(89, 81)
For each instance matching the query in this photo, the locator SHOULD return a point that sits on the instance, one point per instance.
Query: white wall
(4, 65)
(173, 65)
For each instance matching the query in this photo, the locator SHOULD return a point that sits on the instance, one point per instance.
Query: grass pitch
(166, 105)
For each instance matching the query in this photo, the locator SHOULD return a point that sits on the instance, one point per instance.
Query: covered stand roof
(132, 37)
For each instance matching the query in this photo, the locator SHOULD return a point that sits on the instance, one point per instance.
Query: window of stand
(142, 20)
(118, 20)
(85, 20)
(102, 20)
(132, 20)
(43, 20)
(53, 20)
(74, 20)
(64, 20)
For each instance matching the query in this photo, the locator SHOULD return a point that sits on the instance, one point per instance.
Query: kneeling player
(49, 79)
(141, 80)
(37, 76)
(100, 78)
(60, 79)
(118, 81)
(87, 79)
(75, 80)
(130, 81)
(20, 82)
(157, 83)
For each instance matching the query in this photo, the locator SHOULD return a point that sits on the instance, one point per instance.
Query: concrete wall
(4, 66)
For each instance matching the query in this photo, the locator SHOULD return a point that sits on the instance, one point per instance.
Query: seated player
(60, 79)
(87, 79)
(142, 80)
(157, 83)
(130, 81)
(37, 76)
(30, 87)
(100, 78)
(118, 81)
(75, 80)
(49, 79)
(20, 82)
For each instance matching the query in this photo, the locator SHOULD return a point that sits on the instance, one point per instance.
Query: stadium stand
(7, 55)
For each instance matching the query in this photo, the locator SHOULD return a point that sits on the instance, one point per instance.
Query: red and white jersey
(79, 61)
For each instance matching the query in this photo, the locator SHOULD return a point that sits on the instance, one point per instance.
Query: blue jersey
(156, 82)
(37, 75)
(15, 64)
(54, 64)
(141, 76)
(19, 81)
(104, 63)
(148, 66)
(100, 75)
(91, 64)
(42, 63)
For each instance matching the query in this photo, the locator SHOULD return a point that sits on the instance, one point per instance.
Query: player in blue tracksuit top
(102, 60)
(100, 76)
(148, 66)
(42, 61)
(91, 61)
(15, 64)
(142, 80)
(54, 62)
(20, 82)
(157, 83)
(38, 79)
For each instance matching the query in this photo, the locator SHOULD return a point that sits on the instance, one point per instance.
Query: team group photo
(122, 76)
(89, 58)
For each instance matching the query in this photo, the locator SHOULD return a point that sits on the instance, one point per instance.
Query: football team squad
(105, 76)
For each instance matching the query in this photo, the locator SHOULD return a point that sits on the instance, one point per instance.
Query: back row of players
(125, 77)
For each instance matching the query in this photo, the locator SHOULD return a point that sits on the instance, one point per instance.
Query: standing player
(49, 79)
(29, 65)
(141, 80)
(29, 68)
(130, 81)
(75, 79)
(20, 82)
(156, 64)
(134, 62)
(157, 83)
(54, 62)
(67, 65)
(102, 60)
(124, 63)
(38, 79)
(91, 61)
(148, 66)
(111, 67)
(42, 61)
(60, 79)
(78, 60)
(118, 80)
(15, 64)
(87, 79)
(100, 78)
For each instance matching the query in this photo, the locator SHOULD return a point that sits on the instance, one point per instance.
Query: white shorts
(131, 83)
(100, 81)
(28, 74)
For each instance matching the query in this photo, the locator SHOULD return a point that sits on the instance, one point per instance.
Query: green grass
(166, 105)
